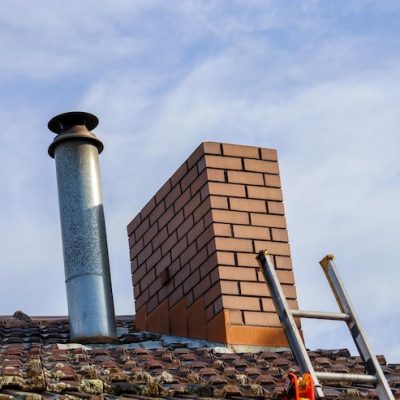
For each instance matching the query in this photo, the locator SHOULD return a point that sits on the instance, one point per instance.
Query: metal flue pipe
(87, 271)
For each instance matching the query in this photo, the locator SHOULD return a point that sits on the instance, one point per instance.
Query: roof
(37, 361)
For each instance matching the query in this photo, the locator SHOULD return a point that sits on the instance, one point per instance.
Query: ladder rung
(321, 315)
(333, 376)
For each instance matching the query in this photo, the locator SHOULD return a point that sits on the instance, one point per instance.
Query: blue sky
(317, 80)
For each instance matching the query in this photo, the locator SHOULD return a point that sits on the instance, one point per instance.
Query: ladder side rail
(290, 328)
(360, 339)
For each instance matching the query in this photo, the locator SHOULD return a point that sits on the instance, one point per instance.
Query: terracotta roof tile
(38, 362)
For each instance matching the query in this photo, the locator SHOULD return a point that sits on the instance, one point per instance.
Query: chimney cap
(62, 122)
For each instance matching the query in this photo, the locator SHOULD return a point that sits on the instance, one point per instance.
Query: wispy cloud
(315, 80)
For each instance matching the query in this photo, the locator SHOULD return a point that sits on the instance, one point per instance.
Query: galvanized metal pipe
(86, 262)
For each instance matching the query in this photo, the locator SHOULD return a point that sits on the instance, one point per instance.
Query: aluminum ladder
(374, 374)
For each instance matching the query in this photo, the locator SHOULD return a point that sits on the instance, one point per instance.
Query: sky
(317, 80)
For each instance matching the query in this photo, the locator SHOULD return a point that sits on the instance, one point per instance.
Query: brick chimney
(193, 248)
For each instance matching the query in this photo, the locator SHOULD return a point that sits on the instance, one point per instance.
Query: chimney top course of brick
(193, 248)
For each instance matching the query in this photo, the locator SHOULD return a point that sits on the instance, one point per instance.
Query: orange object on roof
(299, 388)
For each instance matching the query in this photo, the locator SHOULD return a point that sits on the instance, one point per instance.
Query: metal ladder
(374, 374)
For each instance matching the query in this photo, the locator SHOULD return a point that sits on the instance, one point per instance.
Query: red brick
(163, 191)
(251, 232)
(289, 291)
(237, 273)
(136, 290)
(223, 162)
(181, 201)
(227, 189)
(272, 180)
(279, 235)
(177, 318)
(142, 300)
(202, 287)
(195, 156)
(134, 265)
(164, 262)
(188, 253)
(225, 258)
(218, 306)
(268, 305)
(222, 230)
(189, 299)
(152, 303)
(164, 277)
(212, 148)
(235, 317)
(276, 207)
(230, 244)
(219, 202)
(153, 259)
(269, 154)
(146, 210)
(247, 260)
(247, 205)
(131, 240)
(172, 196)
(261, 166)
(160, 238)
(175, 222)
(247, 178)
(144, 254)
(142, 229)
(155, 287)
(188, 179)
(136, 249)
(179, 174)
(192, 205)
(261, 319)
(276, 248)
(147, 280)
(212, 294)
(208, 266)
(182, 275)
(241, 302)
(196, 318)
(273, 221)
(229, 287)
(214, 276)
(216, 175)
(174, 267)
(156, 213)
(211, 247)
(133, 224)
(150, 233)
(192, 280)
(138, 274)
(285, 277)
(240, 151)
(283, 262)
(185, 227)
(207, 218)
(169, 243)
(166, 217)
(158, 320)
(259, 289)
(265, 193)
(198, 259)
(231, 217)
(205, 237)
(210, 312)
(201, 210)
(179, 248)
(196, 231)
(175, 296)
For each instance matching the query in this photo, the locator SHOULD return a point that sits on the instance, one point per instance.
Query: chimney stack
(87, 271)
